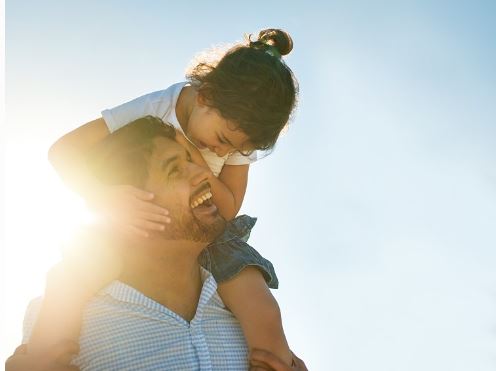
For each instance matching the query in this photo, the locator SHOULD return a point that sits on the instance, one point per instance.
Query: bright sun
(40, 214)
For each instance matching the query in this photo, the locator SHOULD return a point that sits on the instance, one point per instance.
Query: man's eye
(174, 170)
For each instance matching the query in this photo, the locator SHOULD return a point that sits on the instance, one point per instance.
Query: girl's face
(208, 129)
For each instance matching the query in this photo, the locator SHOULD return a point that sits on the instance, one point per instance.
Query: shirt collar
(124, 293)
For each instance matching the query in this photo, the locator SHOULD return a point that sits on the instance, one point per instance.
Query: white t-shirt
(162, 104)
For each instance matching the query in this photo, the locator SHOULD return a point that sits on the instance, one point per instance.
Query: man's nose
(198, 173)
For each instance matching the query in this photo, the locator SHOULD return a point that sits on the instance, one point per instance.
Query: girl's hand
(131, 209)
(56, 359)
(263, 360)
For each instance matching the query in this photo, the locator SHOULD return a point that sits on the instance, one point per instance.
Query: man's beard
(185, 225)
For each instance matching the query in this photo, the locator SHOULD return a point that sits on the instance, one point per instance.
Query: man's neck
(167, 272)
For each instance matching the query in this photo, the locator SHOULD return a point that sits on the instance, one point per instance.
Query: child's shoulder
(169, 92)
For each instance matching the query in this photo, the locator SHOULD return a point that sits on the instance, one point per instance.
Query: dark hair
(122, 157)
(251, 86)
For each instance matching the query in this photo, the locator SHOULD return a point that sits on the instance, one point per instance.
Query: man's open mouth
(204, 199)
(201, 201)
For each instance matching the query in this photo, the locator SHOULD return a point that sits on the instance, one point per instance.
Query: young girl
(226, 110)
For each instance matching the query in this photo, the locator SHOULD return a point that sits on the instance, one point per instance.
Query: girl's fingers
(65, 368)
(136, 231)
(255, 365)
(151, 226)
(150, 207)
(153, 217)
(258, 357)
(141, 194)
(64, 348)
(300, 365)
(21, 349)
(65, 359)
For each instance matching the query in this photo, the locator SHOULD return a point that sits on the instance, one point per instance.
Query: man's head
(144, 154)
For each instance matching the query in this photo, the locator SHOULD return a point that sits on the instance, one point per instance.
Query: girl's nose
(222, 151)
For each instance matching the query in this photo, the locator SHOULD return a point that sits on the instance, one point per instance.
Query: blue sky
(377, 208)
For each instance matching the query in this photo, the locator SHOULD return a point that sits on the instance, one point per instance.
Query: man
(163, 312)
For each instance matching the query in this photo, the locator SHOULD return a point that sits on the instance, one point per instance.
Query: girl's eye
(221, 139)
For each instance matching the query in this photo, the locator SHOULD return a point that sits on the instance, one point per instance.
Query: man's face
(180, 185)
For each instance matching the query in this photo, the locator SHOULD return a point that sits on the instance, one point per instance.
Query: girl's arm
(249, 298)
(67, 156)
(59, 319)
(90, 262)
(228, 190)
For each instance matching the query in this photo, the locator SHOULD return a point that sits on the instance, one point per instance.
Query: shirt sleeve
(237, 158)
(153, 104)
(30, 316)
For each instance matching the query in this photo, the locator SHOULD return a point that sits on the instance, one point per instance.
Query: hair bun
(278, 38)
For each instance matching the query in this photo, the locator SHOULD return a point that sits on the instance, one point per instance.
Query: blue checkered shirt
(125, 330)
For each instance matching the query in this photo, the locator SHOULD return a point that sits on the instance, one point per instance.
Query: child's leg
(250, 300)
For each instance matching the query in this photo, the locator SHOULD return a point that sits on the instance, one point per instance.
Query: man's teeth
(201, 199)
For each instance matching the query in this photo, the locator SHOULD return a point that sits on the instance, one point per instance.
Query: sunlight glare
(41, 214)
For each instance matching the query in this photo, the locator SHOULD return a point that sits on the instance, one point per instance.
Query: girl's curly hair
(251, 86)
